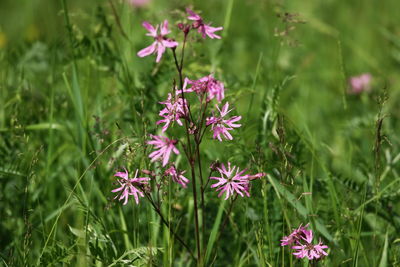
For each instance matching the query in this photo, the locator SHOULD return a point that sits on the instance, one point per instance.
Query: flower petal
(164, 28)
(150, 28)
(169, 43)
(160, 52)
(148, 50)
(192, 15)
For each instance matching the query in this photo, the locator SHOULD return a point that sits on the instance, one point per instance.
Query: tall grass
(76, 104)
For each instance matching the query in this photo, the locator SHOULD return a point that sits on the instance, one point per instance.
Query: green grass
(77, 104)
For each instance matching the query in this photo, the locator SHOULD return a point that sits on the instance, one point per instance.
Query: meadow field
(276, 142)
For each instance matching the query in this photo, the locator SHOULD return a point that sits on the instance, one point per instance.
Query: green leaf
(384, 258)
(214, 230)
(77, 232)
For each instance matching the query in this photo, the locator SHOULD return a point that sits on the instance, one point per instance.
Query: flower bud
(147, 172)
(214, 165)
(181, 26)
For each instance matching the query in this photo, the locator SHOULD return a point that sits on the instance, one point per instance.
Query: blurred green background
(76, 104)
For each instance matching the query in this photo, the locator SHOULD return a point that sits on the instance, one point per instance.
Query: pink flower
(139, 3)
(174, 110)
(231, 181)
(160, 41)
(221, 126)
(203, 29)
(310, 251)
(257, 176)
(319, 249)
(360, 83)
(177, 176)
(307, 236)
(295, 236)
(129, 186)
(304, 247)
(206, 85)
(165, 146)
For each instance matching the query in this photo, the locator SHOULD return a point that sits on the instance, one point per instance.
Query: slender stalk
(208, 179)
(117, 20)
(202, 134)
(198, 141)
(202, 117)
(196, 215)
(201, 192)
(164, 221)
(190, 156)
(183, 49)
(178, 69)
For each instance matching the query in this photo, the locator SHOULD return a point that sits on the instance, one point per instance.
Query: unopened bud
(192, 128)
(186, 29)
(181, 26)
(256, 176)
(147, 172)
(196, 24)
(214, 165)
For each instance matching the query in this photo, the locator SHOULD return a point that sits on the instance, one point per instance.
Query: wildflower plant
(207, 113)
(301, 242)
(81, 113)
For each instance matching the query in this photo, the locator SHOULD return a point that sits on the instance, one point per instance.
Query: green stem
(190, 156)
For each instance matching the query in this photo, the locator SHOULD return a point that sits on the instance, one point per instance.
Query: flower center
(229, 179)
(159, 38)
(173, 142)
(200, 87)
(309, 246)
(197, 23)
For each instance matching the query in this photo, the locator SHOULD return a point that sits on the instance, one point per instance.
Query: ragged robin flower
(174, 110)
(307, 249)
(220, 125)
(233, 180)
(161, 42)
(295, 236)
(177, 176)
(130, 186)
(302, 238)
(165, 146)
(206, 86)
(202, 28)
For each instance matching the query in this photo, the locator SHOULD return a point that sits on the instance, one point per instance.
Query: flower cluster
(161, 42)
(231, 182)
(303, 244)
(177, 109)
(176, 106)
